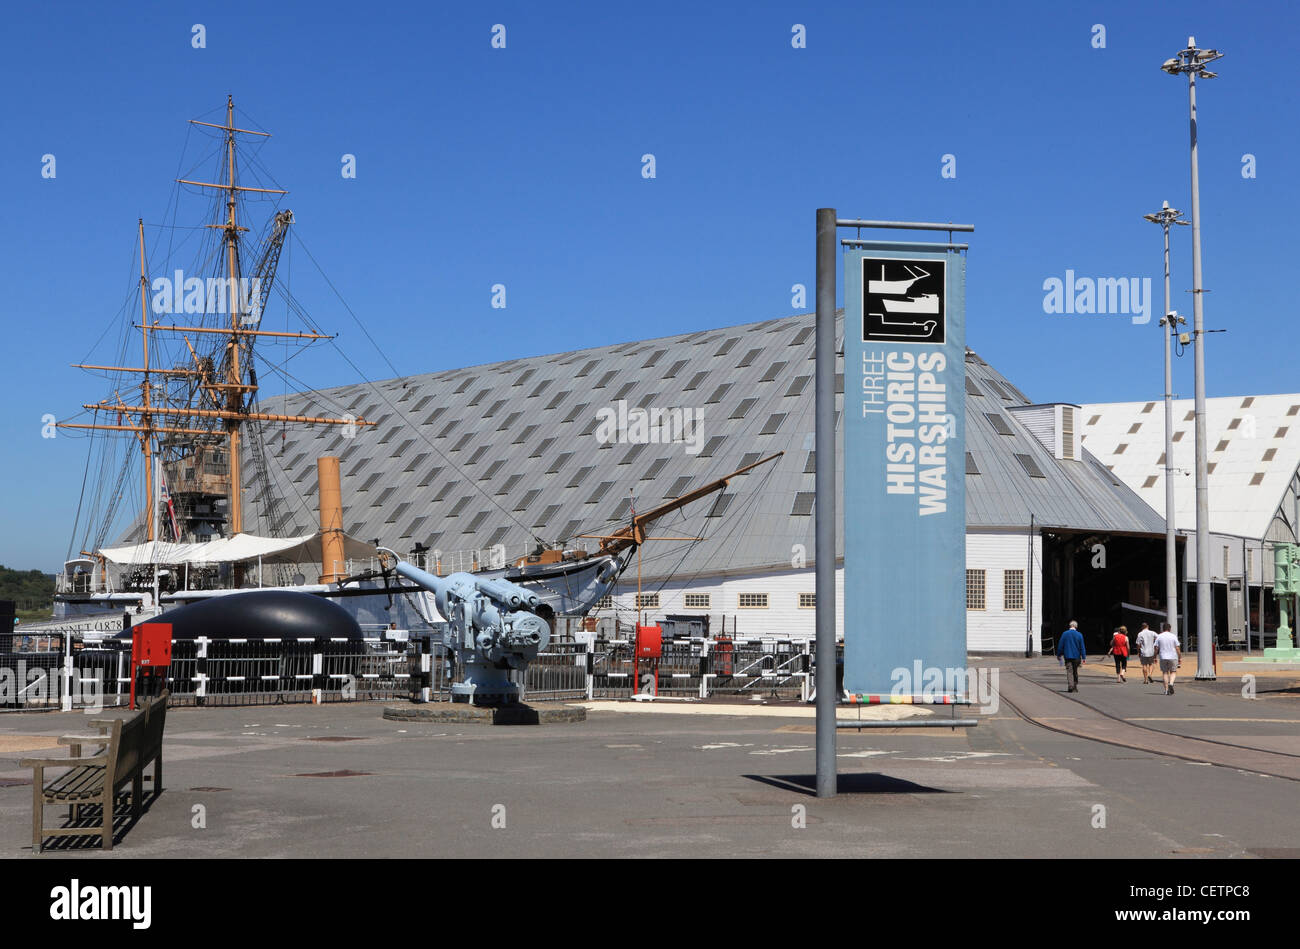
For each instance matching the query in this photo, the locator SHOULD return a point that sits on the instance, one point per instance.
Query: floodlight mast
(1166, 217)
(1192, 62)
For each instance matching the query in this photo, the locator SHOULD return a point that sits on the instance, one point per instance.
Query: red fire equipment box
(649, 642)
(151, 652)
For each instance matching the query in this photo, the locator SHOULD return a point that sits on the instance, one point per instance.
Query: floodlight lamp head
(1172, 66)
(1206, 74)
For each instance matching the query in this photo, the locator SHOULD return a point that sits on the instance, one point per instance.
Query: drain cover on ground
(334, 774)
(331, 738)
(209, 790)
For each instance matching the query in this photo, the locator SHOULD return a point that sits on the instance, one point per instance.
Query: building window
(647, 601)
(807, 601)
(697, 601)
(1225, 562)
(606, 602)
(1250, 562)
(974, 589)
(753, 601)
(1013, 589)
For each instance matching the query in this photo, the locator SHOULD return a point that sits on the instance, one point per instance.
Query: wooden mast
(146, 417)
(235, 396)
(229, 394)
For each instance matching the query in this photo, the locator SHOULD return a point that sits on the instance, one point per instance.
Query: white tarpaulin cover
(239, 548)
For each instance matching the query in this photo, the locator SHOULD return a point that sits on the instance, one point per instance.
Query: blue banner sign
(905, 473)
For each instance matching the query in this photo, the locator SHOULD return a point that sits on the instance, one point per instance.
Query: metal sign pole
(824, 504)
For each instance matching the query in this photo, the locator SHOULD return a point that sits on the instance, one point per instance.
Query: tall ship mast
(191, 410)
(192, 419)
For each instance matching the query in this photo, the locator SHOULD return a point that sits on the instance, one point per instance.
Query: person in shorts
(1146, 644)
(1170, 656)
(1119, 652)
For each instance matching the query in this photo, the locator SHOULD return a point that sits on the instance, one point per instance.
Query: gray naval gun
(493, 626)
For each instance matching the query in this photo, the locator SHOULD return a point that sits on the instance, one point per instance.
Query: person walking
(1146, 643)
(1119, 651)
(1072, 653)
(1170, 657)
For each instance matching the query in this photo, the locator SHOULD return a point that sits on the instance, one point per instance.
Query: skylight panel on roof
(558, 399)
(430, 476)
(971, 467)
(773, 371)
(743, 408)
(796, 387)
(653, 471)
(999, 423)
(972, 388)
(600, 491)
(720, 505)
(676, 368)
(542, 447)
(1030, 466)
(653, 358)
(711, 446)
(695, 381)
(718, 394)
(560, 461)
(803, 503)
(541, 387)
(678, 487)
(581, 476)
(773, 424)
(749, 358)
(523, 377)
(465, 384)
(547, 514)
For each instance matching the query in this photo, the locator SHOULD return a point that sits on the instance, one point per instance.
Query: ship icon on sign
(903, 300)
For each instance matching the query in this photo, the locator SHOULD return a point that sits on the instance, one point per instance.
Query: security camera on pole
(1166, 217)
(1193, 61)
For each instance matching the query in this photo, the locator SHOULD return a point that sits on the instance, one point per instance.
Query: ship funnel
(331, 519)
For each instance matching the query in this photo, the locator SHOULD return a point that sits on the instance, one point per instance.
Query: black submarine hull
(262, 614)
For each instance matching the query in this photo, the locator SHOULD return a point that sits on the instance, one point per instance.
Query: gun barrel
(508, 593)
(430, 582)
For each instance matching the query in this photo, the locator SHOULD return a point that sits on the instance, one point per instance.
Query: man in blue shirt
(1072, 652)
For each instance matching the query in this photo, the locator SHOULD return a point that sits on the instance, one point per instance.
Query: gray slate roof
(1083, 494)
(505, 453)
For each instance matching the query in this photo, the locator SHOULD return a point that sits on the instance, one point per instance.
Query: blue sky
(522, 166)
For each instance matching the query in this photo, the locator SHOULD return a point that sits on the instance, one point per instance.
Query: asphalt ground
(340, 781)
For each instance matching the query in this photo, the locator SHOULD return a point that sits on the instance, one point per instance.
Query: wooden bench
(127, 747)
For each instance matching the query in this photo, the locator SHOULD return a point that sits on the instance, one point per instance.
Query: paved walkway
(1262, 734)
